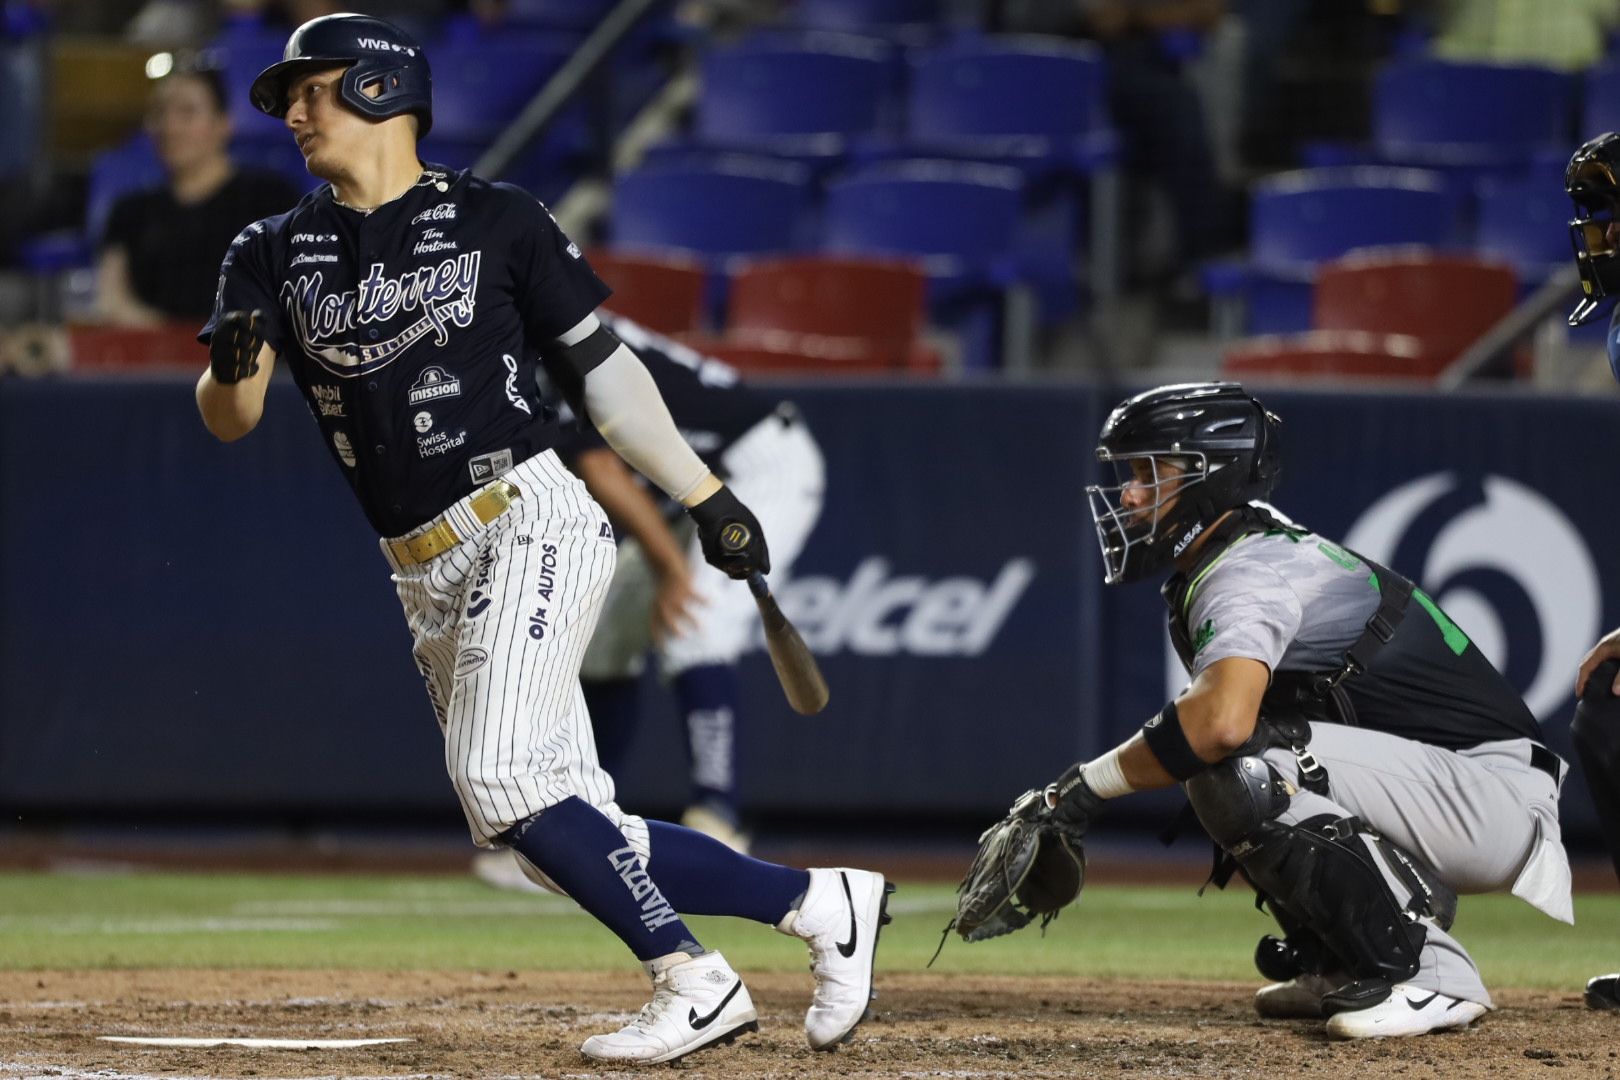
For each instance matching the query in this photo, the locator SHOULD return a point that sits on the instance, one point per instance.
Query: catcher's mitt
(1029, 863)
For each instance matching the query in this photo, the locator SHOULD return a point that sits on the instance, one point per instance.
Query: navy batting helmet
(376, 54)
(1224, 451)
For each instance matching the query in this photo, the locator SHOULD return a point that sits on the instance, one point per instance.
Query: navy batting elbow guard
(233, 350)
(731, 537)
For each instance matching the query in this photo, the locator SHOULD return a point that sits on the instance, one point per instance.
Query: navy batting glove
(730, 534)
(233, 351)
(1071, 800)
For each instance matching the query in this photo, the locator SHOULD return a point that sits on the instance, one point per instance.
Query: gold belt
(490, 503)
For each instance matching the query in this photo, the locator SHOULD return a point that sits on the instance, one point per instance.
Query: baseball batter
(1343, 741)
(412, 305)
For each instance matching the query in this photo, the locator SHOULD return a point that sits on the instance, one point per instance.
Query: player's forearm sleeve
(624, 404)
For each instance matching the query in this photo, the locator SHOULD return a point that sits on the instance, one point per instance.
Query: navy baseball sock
(701, 876)
(613, 705)
(707, 699)
(578, 848)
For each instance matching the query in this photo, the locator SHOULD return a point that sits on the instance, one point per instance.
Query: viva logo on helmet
(1511, 548)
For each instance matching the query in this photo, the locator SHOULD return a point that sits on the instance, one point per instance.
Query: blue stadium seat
(1298, 220)
(1038, 104)
(802, 95)
(1014, 97)
(1430, 112)
(1601, 112)
(480, 84)
(735, 206)
(1524, 222)
(114, 173)
(244, 48)
(565, 14)
(888, 17)
(960, 219)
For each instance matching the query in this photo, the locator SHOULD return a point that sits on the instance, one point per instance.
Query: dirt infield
(514, 1024)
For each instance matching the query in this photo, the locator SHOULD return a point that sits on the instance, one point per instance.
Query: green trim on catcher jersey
(1192, 586)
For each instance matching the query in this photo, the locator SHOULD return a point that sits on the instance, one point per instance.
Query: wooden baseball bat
(796, 668)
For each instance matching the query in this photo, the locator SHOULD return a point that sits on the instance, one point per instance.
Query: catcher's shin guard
(1327, 873)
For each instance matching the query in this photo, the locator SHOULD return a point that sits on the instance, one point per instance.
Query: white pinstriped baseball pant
(500, 624)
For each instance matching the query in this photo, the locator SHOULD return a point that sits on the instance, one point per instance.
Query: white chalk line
(23, 1071)
(514, 908)
(251, 1044)
(71, 925)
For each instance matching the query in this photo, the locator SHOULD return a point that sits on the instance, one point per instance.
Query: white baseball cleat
(1409, 1010)
(842, 913)
(697, 1002)
(1300, 998)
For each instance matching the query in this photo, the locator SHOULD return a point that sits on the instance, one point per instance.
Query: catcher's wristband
(1169, 744)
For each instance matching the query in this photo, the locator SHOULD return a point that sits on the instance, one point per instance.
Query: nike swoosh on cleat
(846, 949)
(698, 1023)
(1416, 1005)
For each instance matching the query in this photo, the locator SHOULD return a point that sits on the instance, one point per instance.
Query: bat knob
(735, 536)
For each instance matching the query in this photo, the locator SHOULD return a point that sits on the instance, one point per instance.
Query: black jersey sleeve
(555, 287)
(248, 282)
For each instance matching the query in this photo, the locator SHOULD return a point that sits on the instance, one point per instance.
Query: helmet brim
(269, 91)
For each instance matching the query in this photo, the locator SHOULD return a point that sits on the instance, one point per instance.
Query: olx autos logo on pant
(878, 612)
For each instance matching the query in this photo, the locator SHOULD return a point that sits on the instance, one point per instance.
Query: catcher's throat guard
(1028, 865)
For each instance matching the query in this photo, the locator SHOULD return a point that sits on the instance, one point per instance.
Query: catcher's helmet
(376, 53)
(1593, 181)
(1224, 447)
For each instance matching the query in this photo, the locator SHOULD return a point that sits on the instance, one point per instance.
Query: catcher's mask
(1593, 182)
(1182, 456)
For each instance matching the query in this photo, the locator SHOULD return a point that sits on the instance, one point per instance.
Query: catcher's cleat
(1603, 992)
(1408, 1010)
(1299, 998)
(840, 918)
(697, 1002)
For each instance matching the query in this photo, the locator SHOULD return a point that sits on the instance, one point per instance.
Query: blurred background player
(664, 596)
(160, 253)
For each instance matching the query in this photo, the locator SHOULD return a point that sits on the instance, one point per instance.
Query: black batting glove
(1071, 800)
(730, 534)
(233, 351)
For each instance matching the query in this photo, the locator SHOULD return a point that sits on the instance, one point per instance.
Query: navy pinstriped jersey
(415, 331)
(711, 406)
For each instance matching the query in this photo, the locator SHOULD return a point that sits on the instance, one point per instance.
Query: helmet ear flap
(1267, 462)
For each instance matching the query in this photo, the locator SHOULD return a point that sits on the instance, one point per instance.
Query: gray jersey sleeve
(1243, 607)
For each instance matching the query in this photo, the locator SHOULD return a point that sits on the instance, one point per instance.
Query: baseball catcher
(1351, 752)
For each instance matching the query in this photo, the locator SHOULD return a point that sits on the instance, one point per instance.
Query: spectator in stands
(161, 251)
(1570, 35)
(1157, 110)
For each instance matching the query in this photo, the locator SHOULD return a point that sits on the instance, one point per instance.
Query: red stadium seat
(664, 293)
(1334, 354)
(790, 354)
(1447, 302)
(840, 305)
(173, 345)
